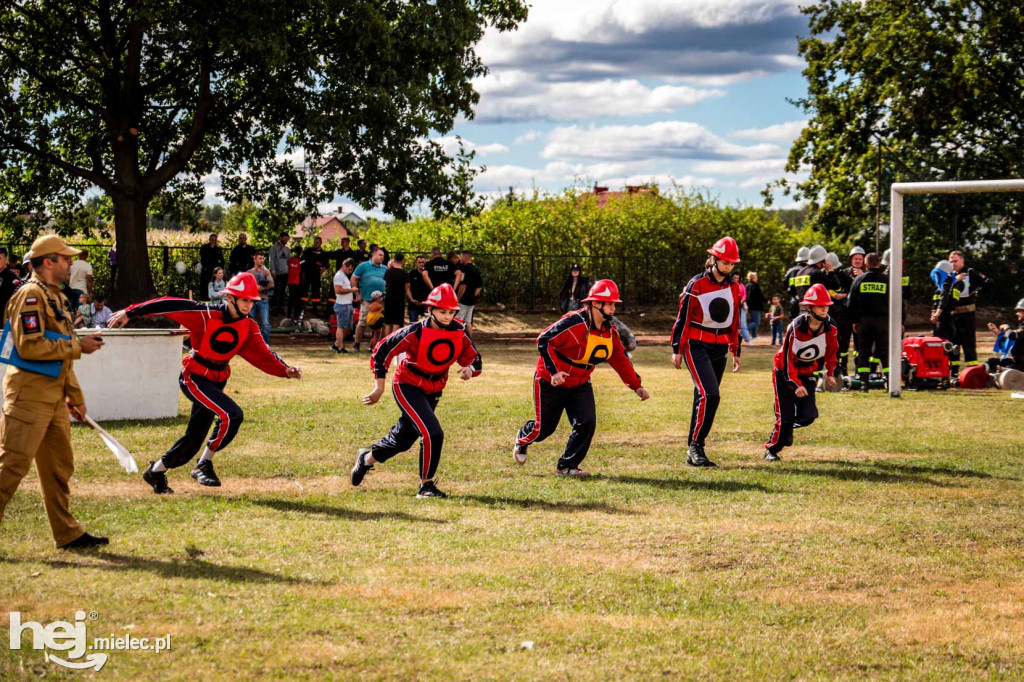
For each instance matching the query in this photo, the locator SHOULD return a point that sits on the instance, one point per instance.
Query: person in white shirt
(80, 280)
(343, 300)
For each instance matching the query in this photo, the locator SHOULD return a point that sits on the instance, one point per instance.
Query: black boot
(157, 479)
(204, 474)
(695, 457)
(86, 541)
(428, 489)
(361, 467)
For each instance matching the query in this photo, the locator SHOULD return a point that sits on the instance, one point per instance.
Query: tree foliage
(147, 100)
(933, 86)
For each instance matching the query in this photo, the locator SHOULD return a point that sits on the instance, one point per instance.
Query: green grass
(887, 544)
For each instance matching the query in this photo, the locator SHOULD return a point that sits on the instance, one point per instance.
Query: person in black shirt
(344, 253)
(396, 292)
(362, 255)
(419, 289)
(574, 290)
(242, 256)
(439, 270)
(211, 257)
(314, 261)
(9, 281)
(869, 313)
(470, 284)
(755, 304)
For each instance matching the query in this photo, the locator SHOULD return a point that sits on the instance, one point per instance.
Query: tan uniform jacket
(35, 308)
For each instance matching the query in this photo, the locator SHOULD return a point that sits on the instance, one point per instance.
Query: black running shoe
(157, 479)
(205, 475)
(86, 541)
(770, 456)
(428, 489)
(361, 467)
(335, 348)
(695, 457)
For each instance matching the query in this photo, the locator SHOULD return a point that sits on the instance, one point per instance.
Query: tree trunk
(134, 278)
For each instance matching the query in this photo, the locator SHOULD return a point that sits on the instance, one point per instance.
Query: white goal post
(896, 253)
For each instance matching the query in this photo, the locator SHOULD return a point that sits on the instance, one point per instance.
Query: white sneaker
(576, 473)
(519, 454)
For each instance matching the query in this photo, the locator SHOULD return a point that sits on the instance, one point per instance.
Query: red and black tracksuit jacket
(216, 337)
(574, 346)
(708, 325)
(794, 365)
(421, 377)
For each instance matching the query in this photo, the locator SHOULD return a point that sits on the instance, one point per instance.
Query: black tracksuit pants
(209, 402)
(790, 411)
(844, 333)
(872, 342)
(706, 362)
(417, 421)
(549, 403)
(965, 324)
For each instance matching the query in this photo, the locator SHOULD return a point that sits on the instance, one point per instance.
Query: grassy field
(887, 544)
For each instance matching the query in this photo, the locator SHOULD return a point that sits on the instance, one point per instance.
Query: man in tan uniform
(35, 423)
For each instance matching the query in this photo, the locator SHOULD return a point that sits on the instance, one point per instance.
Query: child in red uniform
(810, 338)
(431, 345)
(218, 332)
(570, 349)
(708, 326)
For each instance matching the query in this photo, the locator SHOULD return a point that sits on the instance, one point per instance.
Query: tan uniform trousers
(40, 431)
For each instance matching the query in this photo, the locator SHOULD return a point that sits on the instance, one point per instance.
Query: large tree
(290, 101)
(921, 90)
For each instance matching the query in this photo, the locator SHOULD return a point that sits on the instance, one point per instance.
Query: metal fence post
(167, 259)
(533, 282)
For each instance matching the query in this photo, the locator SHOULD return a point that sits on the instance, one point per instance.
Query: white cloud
(450, 145)
(514, 95)
(740, 167)
(528, 136)
(783, 133)
(662, 140)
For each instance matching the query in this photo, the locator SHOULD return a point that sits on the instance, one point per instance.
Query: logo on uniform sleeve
(30, 323)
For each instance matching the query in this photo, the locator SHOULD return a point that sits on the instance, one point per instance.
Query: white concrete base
(134, 375)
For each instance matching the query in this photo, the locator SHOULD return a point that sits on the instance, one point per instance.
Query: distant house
(331, 226)
(602, 195)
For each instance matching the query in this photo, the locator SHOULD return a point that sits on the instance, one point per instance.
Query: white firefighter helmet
(885, 257)
(945, 266)
(802, 253)
(858, 251)
(833, 260)
(817, 254)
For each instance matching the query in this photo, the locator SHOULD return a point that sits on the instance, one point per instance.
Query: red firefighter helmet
(243, 285)
(817, 295)
(603, 291)
(726, 249)
(443, 297)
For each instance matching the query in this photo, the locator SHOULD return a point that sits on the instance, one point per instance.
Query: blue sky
(626, 91)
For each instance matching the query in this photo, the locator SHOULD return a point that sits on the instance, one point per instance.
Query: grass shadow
(187, 568)
(341, 512)
(687, 484)
(912, 469)
(845, 473)
(544, 505)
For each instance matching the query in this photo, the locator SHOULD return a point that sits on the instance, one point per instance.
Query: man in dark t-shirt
(470, 285)
(419, 289)
(439, 270)
(396, 293)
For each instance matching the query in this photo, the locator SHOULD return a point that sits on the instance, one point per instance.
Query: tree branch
(95, 178)
(55, 85)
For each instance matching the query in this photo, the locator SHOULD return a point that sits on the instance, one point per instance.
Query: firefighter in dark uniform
(218, 332)
(945, 298)
(869, 313)
(810, 339)
(569, 351)
(430, 346)
(706, 329)
(817, 271)
(41, 390)
(790, 277)
(839, 313)
(964, 315)
(855, 270)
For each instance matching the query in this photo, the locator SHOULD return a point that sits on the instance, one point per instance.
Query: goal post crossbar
(898, 190)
